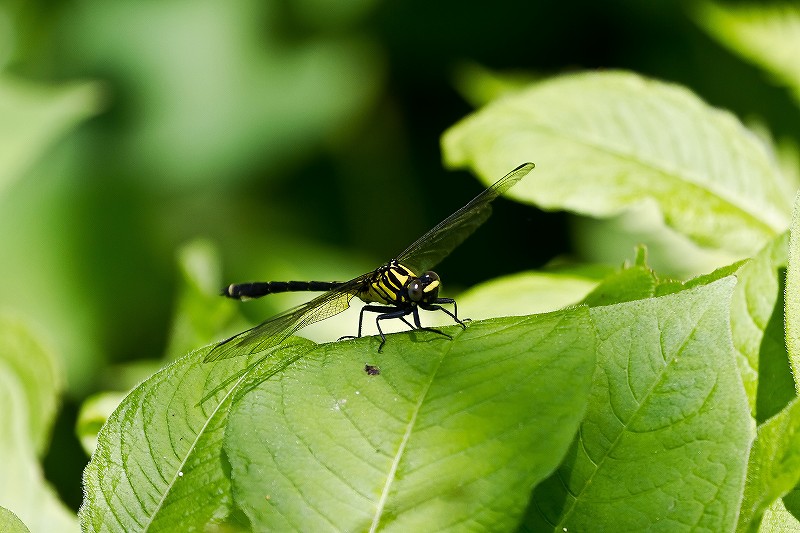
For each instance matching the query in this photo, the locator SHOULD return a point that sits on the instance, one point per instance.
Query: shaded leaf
(664, 441)
(774, 466)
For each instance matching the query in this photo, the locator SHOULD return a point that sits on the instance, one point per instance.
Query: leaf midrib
(201, 432)
(404, 442)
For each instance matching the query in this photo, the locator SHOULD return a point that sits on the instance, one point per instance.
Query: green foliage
(158, 462)
(10, 523)
(444, 438)
(765, 34)
(605, 141)
(667, 427)
(671, 398)
(30, 387)
(156, 154)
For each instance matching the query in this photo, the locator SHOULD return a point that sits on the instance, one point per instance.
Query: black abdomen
(242, 291)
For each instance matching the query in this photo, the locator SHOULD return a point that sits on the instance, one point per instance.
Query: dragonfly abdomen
(243, 291)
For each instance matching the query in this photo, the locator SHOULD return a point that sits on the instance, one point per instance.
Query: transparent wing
(278, 328)
(437, 244)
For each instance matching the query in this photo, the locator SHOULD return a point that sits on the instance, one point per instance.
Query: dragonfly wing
(437, 244)
(275, 330)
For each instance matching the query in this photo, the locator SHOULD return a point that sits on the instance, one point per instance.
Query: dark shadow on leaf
(548, 498)
(775, 383)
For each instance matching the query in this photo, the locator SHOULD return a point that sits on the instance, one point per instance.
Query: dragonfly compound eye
(416, 290)
(430, 286)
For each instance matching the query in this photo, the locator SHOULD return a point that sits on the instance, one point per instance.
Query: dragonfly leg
(453, 315)
(384, 312)
(432, 330)
(372, 308)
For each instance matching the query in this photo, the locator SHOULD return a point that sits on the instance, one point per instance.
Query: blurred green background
(297, 139)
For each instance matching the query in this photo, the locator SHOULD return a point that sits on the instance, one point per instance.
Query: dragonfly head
(424, 289)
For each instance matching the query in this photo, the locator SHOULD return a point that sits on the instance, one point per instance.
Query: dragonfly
(394, 290)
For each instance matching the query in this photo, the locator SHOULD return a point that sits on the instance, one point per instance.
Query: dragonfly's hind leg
(385, 311)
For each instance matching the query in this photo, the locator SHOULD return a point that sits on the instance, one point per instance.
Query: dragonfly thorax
(396, 284)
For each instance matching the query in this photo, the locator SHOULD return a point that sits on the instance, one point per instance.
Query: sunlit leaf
(10, 523)
(792, 291)
(603, 142)
(93, 414)
(524, 294)
(757, 327)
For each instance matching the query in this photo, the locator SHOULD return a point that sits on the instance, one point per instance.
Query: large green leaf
(158, 463)
(452, 435)
(29, 389)
(603, 142)
(665, 438)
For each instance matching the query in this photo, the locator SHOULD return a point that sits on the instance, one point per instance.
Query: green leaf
(665, 438)
(777, 519)
(793, 289)
(604, 142)
(757, 326)
(10, 523)
(94, 412)
(37, 369)
(524, 294)
(33, 116)
(158, 463)
(766, 35)
(452, 435)
(774, 466)
(791, 504)
(29, 388)
(636, 282)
